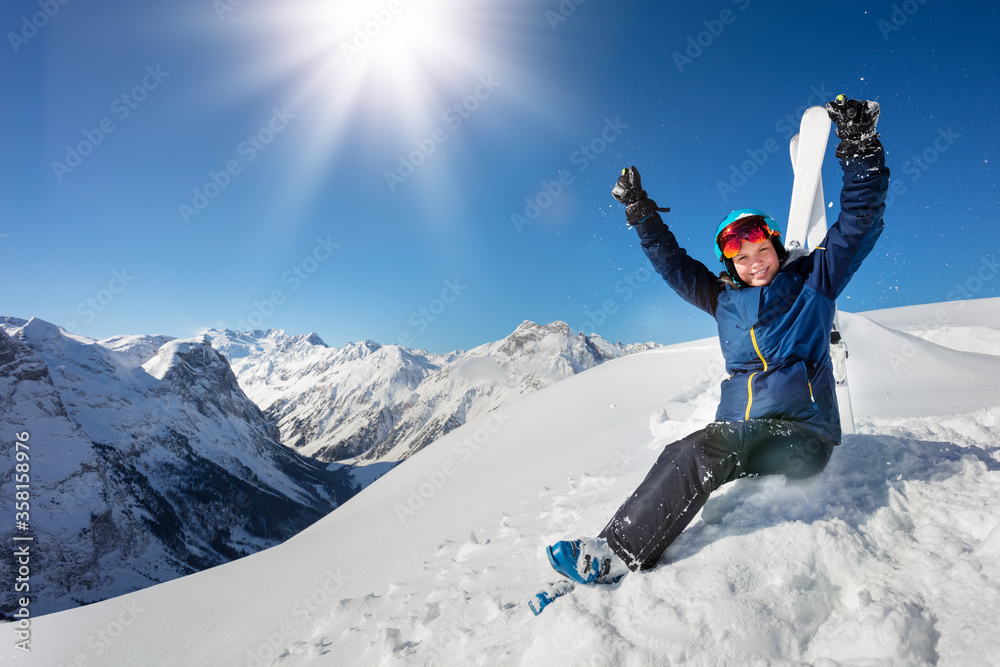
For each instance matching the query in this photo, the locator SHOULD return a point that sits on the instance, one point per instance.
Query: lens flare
(367, 77)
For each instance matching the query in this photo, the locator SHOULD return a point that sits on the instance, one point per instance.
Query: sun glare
(388, 64)
(369, 79)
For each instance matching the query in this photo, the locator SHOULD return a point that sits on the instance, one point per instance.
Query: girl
(778, 413)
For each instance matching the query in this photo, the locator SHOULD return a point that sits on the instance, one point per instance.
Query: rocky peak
(19, 362)
(528, 333)
(150, 472)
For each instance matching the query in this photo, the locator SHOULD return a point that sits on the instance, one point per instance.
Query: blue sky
(367, 171)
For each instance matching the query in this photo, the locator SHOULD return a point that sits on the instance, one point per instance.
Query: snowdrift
(892, 556)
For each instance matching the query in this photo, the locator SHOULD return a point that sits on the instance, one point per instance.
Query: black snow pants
(689, 470)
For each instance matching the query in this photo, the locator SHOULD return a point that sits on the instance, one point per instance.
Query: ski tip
(539, 602)
(544, 598)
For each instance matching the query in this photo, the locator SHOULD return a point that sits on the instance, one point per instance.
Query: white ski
(815, 225)
(807, 228)
(838, 353)
(808, 149)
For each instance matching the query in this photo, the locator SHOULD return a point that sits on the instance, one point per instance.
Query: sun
(389, 64)
(368, 80)
(409, 56)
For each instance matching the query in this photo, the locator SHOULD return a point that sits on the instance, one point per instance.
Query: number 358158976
(22, 479)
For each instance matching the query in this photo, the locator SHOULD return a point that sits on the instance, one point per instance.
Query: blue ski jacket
(776, 339)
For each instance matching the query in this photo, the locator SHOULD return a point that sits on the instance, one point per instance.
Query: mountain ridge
(368, 402)
(889, 556)
(144, 466)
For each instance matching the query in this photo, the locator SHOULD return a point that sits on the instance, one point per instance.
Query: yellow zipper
(753, 337)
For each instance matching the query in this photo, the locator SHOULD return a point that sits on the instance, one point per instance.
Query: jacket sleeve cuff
(871, 158)
(640, 210)
(649, 227)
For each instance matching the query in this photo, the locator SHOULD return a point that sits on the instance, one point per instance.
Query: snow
(166, 357)
(135, 476)
(381, 403)
(891, 556)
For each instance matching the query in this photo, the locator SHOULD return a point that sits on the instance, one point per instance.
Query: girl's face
(757, 263)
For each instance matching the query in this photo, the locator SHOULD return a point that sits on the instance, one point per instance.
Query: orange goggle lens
(751, 228)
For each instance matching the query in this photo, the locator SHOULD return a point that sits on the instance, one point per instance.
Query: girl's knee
(808, 459)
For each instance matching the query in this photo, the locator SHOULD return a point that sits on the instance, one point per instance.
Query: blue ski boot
(587, 561)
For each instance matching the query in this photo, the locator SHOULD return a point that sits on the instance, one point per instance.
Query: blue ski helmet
(743, 213)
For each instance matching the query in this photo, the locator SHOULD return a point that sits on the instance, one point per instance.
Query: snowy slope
(892, 556)
(385, 402)
(146, 462)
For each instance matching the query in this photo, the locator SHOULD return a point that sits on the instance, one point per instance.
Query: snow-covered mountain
(145, 462)
(890, 557)
(386, 402)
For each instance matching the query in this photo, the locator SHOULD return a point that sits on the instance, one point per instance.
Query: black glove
(628, 190)
(855, 120)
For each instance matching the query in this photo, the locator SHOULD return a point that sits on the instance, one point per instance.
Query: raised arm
(691, 279)
(862, 199)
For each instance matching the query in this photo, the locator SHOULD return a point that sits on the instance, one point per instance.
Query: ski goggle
(752, 228)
